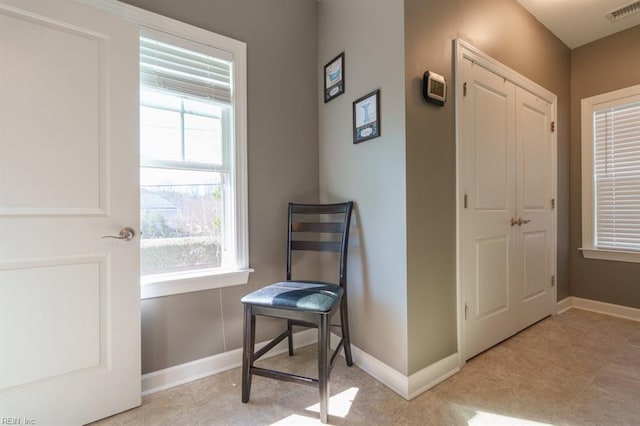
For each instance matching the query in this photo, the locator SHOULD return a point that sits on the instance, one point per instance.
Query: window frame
(209, 279)
(588, 107)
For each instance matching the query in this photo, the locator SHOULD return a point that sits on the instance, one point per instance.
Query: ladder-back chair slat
(319, 208)
(316, 245)
(325, 227)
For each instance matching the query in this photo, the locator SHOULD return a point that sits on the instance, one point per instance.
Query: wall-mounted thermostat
(434, 88)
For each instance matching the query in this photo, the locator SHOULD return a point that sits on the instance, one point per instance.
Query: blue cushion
(300, 295)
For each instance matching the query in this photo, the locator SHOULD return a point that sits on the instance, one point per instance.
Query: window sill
(169, 284)
(614, 255)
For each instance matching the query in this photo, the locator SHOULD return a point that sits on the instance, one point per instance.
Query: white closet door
(533, 194)
(489, 179)
(69, 300)
(506, 222)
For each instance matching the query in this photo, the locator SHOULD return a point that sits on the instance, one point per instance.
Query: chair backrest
(320, 227)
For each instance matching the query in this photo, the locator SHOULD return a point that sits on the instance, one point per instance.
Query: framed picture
(366, 117)
(334, 78)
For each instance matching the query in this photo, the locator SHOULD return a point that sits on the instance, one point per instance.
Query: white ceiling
(578, 22)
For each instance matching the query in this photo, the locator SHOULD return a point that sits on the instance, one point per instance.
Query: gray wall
(602, 66)
(371, 173)
(281, 37)
(508, 33)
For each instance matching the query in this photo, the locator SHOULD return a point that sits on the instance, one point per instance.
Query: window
(192, 165)
(611, 175)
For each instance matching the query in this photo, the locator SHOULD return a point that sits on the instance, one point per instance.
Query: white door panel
(493, 163)
(488, 173)
(492, 272)
(69, 300)
(533, 141)
(534, 184)
(491, 315)
(534, 262)
(79, 327)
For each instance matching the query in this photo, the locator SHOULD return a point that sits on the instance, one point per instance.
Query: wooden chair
(311, 227)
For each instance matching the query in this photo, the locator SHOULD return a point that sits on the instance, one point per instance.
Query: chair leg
(249, 340)
(290, 337)
(344, 322)
(323, 366)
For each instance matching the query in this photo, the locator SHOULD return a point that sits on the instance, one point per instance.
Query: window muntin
(611, 175)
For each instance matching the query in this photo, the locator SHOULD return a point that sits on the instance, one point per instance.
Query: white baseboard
(200, 368)
(377, 369)
(601, 308)
(433, 374)
(564, 305)
(407, 387)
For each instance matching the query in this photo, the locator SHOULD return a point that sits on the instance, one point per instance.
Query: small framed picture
(366, 117)
(334, 78)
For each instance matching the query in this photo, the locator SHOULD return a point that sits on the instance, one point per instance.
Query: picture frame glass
(334, 78)
(366, 116)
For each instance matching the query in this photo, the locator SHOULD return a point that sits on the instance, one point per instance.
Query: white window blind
(617, 177)
(183, 70)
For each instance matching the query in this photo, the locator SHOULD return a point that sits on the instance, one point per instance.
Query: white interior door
(506, 222)
(487, 162)
(69, 300)
(533, 207)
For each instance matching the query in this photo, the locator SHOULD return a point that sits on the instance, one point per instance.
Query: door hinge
(465, 200)
(464, 89)
(553, 126)
(466, 311)
(553, 280)
(553, 203)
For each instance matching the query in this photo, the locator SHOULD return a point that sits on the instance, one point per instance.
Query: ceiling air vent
(626, 10)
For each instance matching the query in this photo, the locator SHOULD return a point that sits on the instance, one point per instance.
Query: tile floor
(578, 368)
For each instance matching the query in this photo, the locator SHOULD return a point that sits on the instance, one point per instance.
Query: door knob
(125, 234)
(523, 221)
(514, 222)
